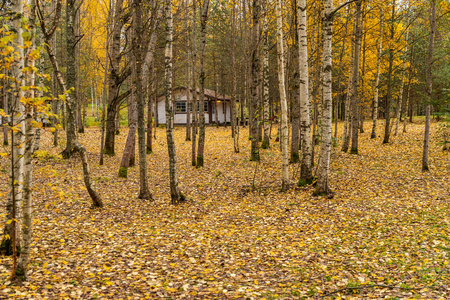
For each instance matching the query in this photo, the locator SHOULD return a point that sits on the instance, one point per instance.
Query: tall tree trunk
(426, 143)
(348, 98)
(11, 240)
(151, 93)
(175, 193)
(254, 115)
(105, 80)
(325, 148)
(96, 201)
(295, 110)
(402, 83)
(188, 73)
(355, 79)
(387, 128)
(71, 76)
(377, 79)
(305, 104)
(266, 139)
(408, 92)
(234, 126)
(137, 8)
(5, 109)
(283, 100)
(216, 104)
(201, 138)
(347, 112)
(131, 139)
(195, 109)
(27, 217)
(115, 77)
(340, 71)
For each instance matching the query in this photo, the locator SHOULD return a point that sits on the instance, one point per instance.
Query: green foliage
(123, 172)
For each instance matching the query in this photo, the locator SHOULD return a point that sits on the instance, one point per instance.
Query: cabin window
(198, 105)
(180, 107)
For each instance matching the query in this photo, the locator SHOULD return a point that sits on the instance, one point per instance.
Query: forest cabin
(180, 107)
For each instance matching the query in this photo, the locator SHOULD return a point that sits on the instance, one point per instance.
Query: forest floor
(381, 236)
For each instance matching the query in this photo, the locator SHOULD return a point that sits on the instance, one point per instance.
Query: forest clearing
(210, 149)
(383, 229)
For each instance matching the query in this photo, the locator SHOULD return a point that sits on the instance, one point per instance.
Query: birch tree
(402, 82)
(266, 138)
(175, 193)
(377, 79)
(194, 83)
(234, 126)
(255, 77)
(283, 100)
(426, 142)
(355, 79)
(201, 138)
(11, 240)
(188, 73)
(71, 76)
(27, 210)
(144, 192)
(387, 127)
(325, 148)
(305, 104)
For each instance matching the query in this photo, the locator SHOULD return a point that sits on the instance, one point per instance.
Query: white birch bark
(305, 104)
(265, 143)
(325, 148)
(426, 143)
(283, 100)
(377, 80)
(175, 194)
(17, 112)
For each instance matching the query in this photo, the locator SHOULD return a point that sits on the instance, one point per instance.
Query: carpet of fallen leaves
(380, 237)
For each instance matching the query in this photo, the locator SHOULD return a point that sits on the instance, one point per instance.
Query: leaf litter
(239, 236)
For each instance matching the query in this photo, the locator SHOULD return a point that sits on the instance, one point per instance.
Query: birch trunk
(347, 113)
(216, 106)
(234, 134)
(105, 81)
(194, 82)
(355, 79)
(71, 77)
(402, 83)
(377, 80)
(201, 138)
(175, 193)
(305, 104)
(188, 73)
(387, 128)
(27, 217)
(426, 143)
(325, 148)
(96, 200)
(295, 107)
(255, 77)
(283, 100)
(151, 93)
(131, 139)
(408, 104)
(115, 77)
(144, 192)
(266, 139)
(10, 241)
(6, 110)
